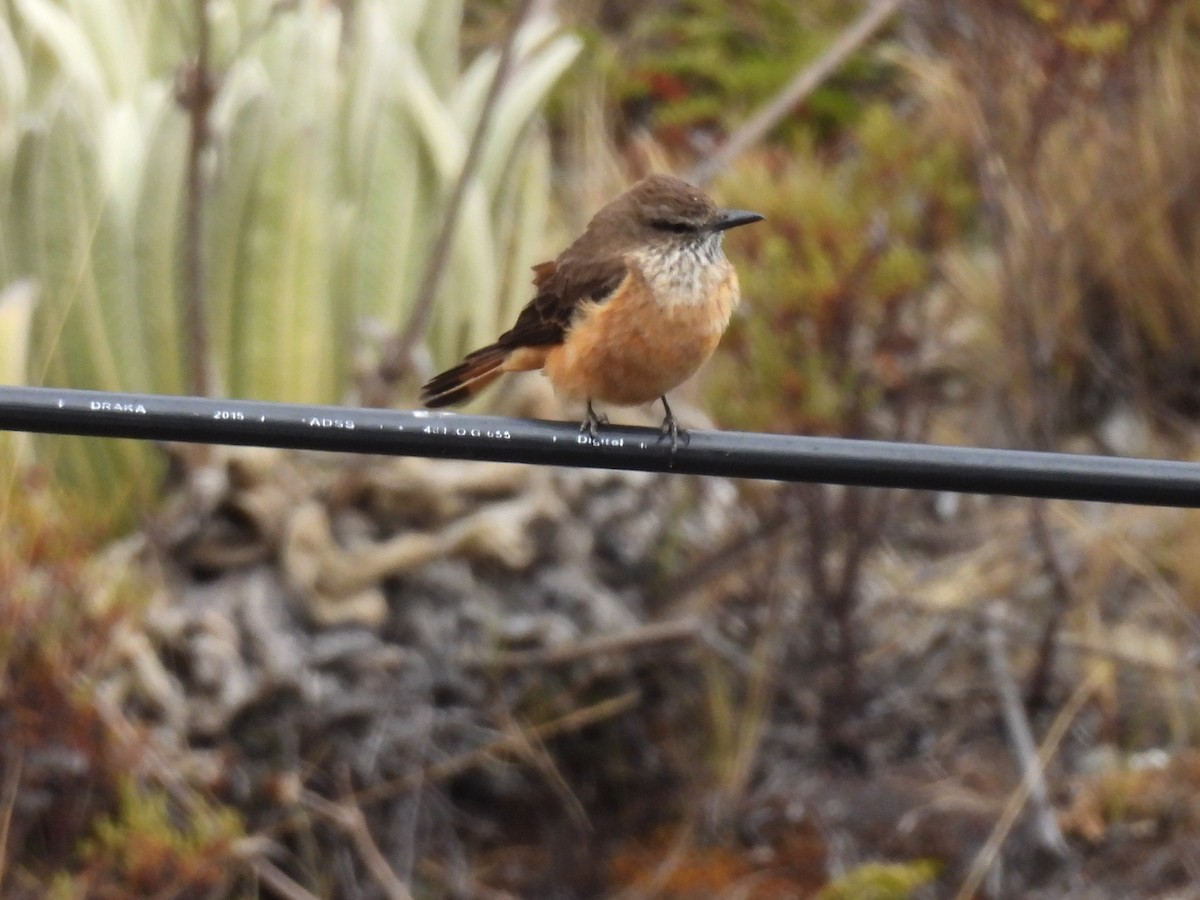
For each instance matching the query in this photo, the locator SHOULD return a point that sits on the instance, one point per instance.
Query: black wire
(729, 453)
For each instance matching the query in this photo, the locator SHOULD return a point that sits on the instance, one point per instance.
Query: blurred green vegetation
(882, 881)
(62, 614)
(152, 847)
(1081, 123)
(715, 60)
(688, 64)
(833, 315)
(334, 137)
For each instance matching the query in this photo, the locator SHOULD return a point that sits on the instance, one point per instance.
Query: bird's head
(665, 209)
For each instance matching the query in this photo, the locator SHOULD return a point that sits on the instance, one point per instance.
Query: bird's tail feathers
(467, 379)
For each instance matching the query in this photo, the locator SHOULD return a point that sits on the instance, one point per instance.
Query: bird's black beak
(733, 218)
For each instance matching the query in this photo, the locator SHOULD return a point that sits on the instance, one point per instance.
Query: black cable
(731, 453)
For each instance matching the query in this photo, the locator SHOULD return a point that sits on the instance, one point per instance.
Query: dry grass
(1082, 119)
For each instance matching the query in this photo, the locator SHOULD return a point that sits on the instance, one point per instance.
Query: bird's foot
(670, 429)
(592, 422)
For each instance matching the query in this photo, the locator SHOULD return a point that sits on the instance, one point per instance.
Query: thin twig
(1031, 760)
(986, 856)
(348, 816)
(1020, 735)
(763, 678)
(799, 88)
(195, 92)
(507, 744)
(534, 750)
(397, 355)
(8, 803)
(1062, 599)
(277, 880)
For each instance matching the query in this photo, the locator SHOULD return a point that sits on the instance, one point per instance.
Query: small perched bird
(626, 313)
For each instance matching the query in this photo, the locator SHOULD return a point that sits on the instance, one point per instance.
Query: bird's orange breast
(639, 344)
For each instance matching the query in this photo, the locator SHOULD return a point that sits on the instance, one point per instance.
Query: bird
(628, 312)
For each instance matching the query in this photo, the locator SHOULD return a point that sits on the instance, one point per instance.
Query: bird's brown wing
(561, 290)
(543, 323)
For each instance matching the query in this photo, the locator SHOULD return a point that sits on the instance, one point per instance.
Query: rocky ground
(492, 680)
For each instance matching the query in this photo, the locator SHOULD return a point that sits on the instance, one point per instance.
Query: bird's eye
(675, 226)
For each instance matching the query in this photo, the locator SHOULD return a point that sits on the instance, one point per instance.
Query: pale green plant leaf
(381, 176)
(87, 331)
(16, 312)
(334, 142)
(522, 236)
(162, 32)
(109, 30)
(13, 83)
(444, 140)
(52, 30)
(157, 200)
(242, 125)
(122, 157)
(437, 43)
(469, 294)
(17, 301)
(407, 19)
(529, 86)
(227, 23)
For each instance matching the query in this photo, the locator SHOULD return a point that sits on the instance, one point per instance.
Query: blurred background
(237, 672)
